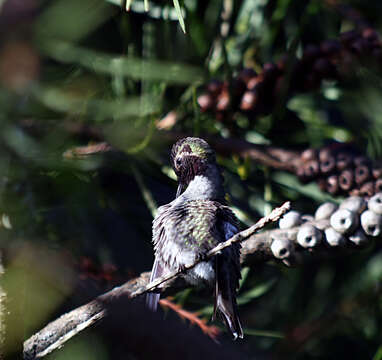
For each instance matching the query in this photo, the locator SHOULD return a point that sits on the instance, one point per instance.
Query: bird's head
(191, 157)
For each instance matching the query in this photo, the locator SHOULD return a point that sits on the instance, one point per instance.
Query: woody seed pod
(322, 224)
(362, 174)
(306, 218)
(343, 161)
(290, 219)
(370, 34)
(377, 173)
(378, 186)
(354, 203)
(327, 165)
(367, 189)
(324, 153)
(214, 87)
(249, 100)
(206, 102)
(282, 248)
(246, 75)
(332, 186)
(334, 238)
(371, 223)
(375, 203)
(223, 101)
(361, 160)
(325, 210)
(311, 168)
(308, 236)
(346, 180)
(309, 154)
(344, 221)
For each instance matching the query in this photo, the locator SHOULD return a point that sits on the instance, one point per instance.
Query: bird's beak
(180, 189)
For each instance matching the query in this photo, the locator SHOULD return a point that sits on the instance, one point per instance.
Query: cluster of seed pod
(351, 224)
(340, 169)
(253, 93)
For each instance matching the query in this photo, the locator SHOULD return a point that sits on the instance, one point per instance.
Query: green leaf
(128, 4)
(135, 68)
(255, 292)
(179, 13)
(78, 104)
(378, 354)
(244, 276)
(264, 333)
(310, 190)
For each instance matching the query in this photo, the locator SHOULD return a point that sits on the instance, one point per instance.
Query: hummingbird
(195, 222)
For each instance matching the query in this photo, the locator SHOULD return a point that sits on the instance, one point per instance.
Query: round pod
(344, 221)
(359, 238)
(375, 203)
(371, 223)
(322, 224)
(290, 219)
(334, 238)
(306, 218)
(282, 248)
(356, 204)
(308, 236)
(325, 210)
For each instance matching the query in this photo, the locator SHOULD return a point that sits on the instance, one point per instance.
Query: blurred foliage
(76, 72)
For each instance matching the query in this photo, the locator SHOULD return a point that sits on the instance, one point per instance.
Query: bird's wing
(227, 276)
(152, 299)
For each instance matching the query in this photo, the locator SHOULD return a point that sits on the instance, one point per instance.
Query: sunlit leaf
(134, 68)
(71, 20)
(244, 276)
(255, 292)
(264, 333)
(180, 16)
(309, 190)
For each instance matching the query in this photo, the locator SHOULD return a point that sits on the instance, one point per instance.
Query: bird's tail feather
(225, 301)
(152, 299)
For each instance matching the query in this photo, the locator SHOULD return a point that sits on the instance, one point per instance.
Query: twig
(211, 331)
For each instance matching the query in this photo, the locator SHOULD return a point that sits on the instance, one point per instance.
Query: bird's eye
(178, 162)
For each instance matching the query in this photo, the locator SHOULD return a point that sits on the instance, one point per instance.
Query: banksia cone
(253, 94)
(339, 169)
(352, 224)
